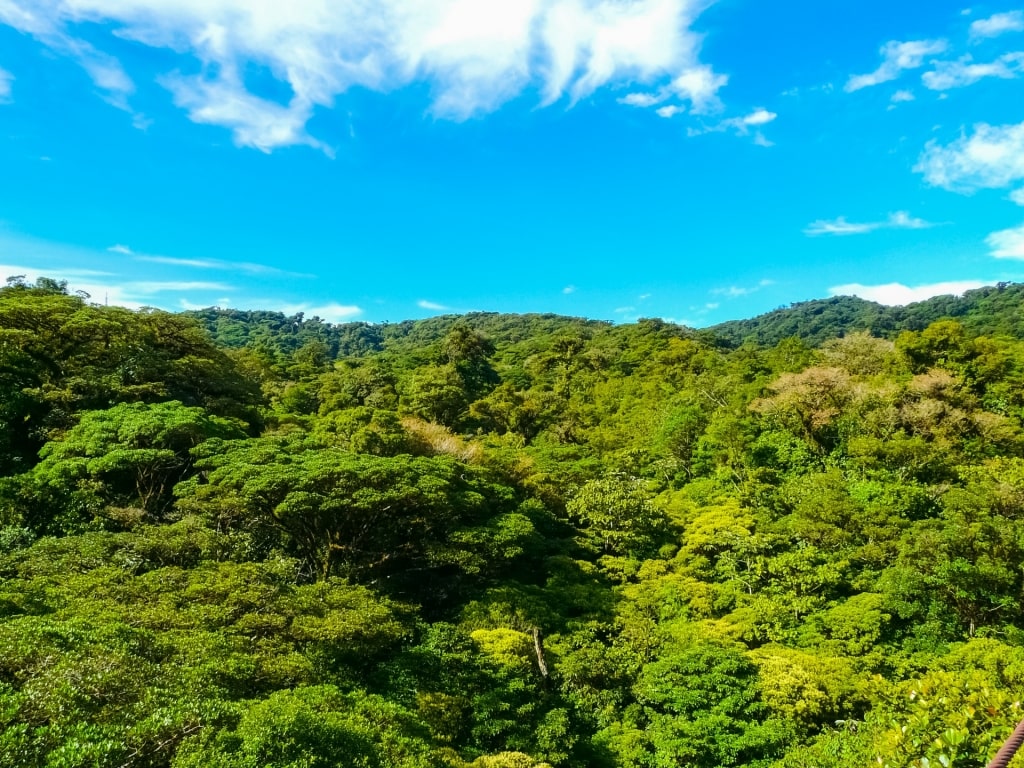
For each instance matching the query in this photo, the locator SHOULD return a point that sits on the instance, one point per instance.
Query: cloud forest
(248, 540)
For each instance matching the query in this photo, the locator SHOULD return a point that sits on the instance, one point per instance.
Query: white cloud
(735, 291)
(963, 72)
(897, 57)
(6, 78)
(1007, 243)
(991, 157)
(897, 294)
(755, 119)
(254, 122)
(996, 25)
(641, 99)
(431, 305)
(840, 226)
(670, 110)
(700, 86)
(901, 97)
(474, 55)
(332, 312)
(1017, 196)
(903, 220)
(569, 289)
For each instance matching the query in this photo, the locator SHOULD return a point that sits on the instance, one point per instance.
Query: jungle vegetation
(248, 540)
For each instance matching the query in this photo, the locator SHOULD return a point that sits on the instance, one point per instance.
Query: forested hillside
(993, 310)
(243, 540)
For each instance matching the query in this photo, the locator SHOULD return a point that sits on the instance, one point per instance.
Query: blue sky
(380, 161)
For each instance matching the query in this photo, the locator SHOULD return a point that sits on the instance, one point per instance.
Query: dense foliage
(246, 540)
(993, 310)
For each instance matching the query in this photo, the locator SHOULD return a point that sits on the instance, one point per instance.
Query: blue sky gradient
(611, 159)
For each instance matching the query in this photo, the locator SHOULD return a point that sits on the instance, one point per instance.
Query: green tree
(131, 455)
(617, 517)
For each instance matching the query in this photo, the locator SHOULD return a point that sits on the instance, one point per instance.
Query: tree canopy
(493, 541)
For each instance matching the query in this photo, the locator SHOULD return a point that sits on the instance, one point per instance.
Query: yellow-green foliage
(506, 647)
(805, 687)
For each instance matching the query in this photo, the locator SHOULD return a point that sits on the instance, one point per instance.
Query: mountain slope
(992, 310)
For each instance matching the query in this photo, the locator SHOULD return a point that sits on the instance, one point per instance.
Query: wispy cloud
(569, 289)
(98, 290)
(901, 97)
(735, 291)
(122, 285)
(1007, 243)
(105, 288)
(47, 24)
(473, 56)
(999, 24)
(229, 266)
(6, 78)
(697, 86)
(897, 294)
(964, 72)
(897, 57)
(741, 126)
(1017, 196)
(55, 272)
(840, 226)
(218, 264)
(194, 263)
(433, 306)
(153, 287)
(989, 158)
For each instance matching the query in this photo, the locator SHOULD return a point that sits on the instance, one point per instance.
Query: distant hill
(992, 311)
(284, 334)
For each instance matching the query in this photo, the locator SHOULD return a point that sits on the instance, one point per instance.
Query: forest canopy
(245, 539)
